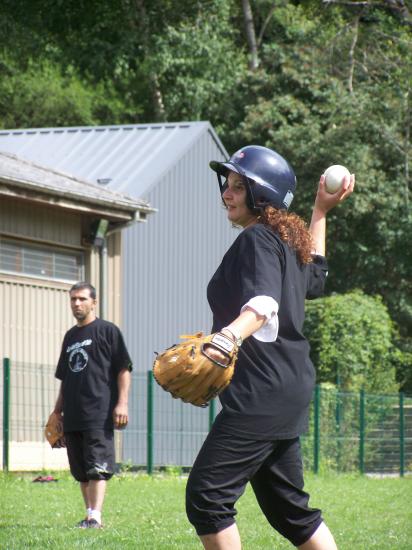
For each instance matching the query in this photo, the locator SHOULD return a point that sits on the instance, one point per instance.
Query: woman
(257, 297)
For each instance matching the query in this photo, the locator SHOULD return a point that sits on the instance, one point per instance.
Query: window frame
(52, 251)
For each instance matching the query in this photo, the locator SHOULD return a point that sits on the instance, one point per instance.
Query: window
(44, 262)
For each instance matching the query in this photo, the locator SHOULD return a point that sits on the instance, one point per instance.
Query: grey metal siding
(167, 264)
(40, 223)
(34, 318)
(169, 261)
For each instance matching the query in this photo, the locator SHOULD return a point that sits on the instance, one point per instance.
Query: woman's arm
(323, 203)
(246, 324)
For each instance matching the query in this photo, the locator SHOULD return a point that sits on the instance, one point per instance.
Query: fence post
(212, 413)
(362, 431)
(401, 435)
(6, 412)
(149, 464)
(338, 425)
(316, 430)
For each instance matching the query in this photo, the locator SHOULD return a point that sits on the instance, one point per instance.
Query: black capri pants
(91, 454)
(224, 466)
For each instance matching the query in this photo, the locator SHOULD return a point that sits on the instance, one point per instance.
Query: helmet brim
(223, 168)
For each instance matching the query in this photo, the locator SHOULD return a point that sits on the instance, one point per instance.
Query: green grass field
(143, 512)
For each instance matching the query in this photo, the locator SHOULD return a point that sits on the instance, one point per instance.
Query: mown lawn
(143, 512)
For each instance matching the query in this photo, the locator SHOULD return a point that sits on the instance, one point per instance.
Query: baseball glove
(188, 371)
(54, 431)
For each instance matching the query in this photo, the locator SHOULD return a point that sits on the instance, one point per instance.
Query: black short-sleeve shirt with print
(272, 386)
(91, 358)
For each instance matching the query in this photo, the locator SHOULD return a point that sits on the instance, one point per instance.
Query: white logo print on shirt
(78, 357)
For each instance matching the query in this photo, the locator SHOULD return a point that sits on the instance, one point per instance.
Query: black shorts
(223, 468)
(91, 454)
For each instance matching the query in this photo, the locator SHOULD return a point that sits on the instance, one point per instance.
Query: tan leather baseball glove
(189, 372)
(54, 431)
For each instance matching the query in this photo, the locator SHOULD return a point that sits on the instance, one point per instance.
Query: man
(95, 373)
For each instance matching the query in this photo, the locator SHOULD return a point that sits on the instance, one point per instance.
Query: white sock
(96, 514)
(88, 512)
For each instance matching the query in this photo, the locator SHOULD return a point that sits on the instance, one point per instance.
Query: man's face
(83, 305)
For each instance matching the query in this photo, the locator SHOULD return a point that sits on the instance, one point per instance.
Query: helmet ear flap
(222, 183)
(222, 186)
(250, 196)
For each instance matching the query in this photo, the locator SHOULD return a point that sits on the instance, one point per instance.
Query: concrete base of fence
(35, 455)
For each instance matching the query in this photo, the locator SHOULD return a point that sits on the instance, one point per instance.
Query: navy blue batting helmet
(270, 180)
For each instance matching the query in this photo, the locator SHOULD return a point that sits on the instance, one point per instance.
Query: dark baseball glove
(190, 373)
(54, 431)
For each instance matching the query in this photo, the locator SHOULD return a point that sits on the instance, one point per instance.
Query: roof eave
(122, 211)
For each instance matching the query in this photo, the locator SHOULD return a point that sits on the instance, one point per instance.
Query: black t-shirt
(272, 386)
(91, 358)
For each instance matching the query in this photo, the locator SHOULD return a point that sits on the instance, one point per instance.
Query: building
(166, 263)
(54, 230)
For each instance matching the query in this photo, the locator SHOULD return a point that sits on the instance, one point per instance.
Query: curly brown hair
(292, 229)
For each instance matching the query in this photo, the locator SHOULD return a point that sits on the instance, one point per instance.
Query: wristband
(236, 336)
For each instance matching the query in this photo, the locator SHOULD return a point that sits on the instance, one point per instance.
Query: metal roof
(128, 158)
(33, 178)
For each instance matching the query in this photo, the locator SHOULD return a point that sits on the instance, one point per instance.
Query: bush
(352, 342)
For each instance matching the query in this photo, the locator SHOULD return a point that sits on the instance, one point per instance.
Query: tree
(251, 35)
(44, 95)
(192, 60)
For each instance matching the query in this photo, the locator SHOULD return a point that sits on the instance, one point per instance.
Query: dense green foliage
(351, 337)
(148, 514)
(330, 83)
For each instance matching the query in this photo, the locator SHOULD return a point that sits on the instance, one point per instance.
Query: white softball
(334, 176)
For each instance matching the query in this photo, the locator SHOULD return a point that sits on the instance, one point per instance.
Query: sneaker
(94, 524)
(84, 524)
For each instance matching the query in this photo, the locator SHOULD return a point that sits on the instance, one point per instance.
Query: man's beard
(80, 315)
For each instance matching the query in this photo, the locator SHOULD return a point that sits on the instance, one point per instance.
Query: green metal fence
(359, 432)
(348, 432)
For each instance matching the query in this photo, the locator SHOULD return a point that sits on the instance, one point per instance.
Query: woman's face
(234, 197)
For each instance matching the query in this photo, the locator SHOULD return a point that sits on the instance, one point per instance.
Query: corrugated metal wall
(167, 265)
(39, 223)
(169, 261)
(35, 313)
(34, 317)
